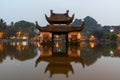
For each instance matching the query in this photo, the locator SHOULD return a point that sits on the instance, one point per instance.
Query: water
(85, 61)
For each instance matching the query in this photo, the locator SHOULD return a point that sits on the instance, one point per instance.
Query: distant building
(59, 28)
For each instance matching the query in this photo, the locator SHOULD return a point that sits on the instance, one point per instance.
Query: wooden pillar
(52, 42)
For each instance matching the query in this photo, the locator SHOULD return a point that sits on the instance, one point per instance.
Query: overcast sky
(106, 12)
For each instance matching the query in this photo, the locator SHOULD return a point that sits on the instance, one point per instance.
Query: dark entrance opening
(59, 41)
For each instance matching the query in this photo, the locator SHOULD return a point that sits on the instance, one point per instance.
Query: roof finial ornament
(36, 23)
(67, 11)
(51, 11)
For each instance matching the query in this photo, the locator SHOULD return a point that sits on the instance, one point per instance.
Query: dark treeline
(100, 32)
(91, 28)
(26, 28)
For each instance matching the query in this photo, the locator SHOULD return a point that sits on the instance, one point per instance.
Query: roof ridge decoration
(59, 18)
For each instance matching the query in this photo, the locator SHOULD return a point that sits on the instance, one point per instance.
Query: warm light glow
(24, 43)
(111, 30)
(92, 44)
(24, 37)
(18, 33)
(21, 35)
(21, 45)
(1, 34)
(18, 43)
(12, 43)
(1, 47)
(57, 45)
(57, 36)
(92, 37)
(79, 35)
(118, 35)
(112, 53)
(118, 47)
(13, 37)
(38, 44)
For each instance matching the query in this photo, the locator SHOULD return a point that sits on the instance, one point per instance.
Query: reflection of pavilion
(61, 68)
(59, 32)
(59, 63)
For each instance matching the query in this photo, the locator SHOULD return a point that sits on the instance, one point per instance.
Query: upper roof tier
(59, 18)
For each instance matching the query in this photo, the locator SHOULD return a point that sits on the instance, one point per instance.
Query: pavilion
(59, 28)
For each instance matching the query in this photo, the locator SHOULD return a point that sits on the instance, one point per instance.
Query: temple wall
(45, 36)
(72, 35)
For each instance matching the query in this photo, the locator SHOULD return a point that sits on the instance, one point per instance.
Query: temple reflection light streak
(57, 45)
(1, 34)
(92, 44)
(1, 47)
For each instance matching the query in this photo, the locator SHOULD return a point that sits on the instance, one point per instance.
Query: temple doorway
(60, 43)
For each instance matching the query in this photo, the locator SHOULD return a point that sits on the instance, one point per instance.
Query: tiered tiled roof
(58, 18)
(62, 28)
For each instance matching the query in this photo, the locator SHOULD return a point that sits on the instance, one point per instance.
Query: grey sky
(106, 12)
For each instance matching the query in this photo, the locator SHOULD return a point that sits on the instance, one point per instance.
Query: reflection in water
(45, 51)
(57, 45)
(20, 45)
(1, 47)
(90, 56)
(59, 66)
(83, 54)
(74, 51)
(18, 50)
(92, 44)
(60, 63)
(82, 44)
(112, 53)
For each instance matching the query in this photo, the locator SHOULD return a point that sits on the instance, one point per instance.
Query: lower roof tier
(60, 28)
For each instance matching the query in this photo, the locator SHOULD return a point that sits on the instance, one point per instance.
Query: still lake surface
(86, 61)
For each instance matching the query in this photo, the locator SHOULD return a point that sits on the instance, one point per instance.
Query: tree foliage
(27, 28)
(3, 25)
(98, 34)
(112, 36)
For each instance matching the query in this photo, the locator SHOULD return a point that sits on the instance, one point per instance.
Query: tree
(10, 30)
(3, 25)
(98, 34)
(112, 36)
(27, 28)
